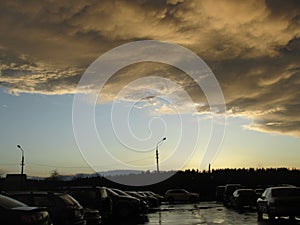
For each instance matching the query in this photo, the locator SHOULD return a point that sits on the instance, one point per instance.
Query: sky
(252, 48)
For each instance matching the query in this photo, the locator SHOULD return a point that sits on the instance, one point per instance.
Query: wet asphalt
(203, 213)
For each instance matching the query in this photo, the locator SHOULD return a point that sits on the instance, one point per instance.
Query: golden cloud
(252, 47)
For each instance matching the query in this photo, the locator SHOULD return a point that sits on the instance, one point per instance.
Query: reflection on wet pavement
(207, 213)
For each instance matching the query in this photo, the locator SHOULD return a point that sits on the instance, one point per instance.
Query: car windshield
(135, 194)
(120, 192)
(111, 192)
(286, 192)
(246, 193)
(10, 203)
(68, 200)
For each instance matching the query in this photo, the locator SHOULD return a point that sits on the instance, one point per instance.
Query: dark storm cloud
(252, 47)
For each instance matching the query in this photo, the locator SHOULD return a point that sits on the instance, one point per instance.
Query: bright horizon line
(161, 171)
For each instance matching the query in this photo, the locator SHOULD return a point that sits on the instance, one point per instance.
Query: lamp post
(22, 162)
(157, 166)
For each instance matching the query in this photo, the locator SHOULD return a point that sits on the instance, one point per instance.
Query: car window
(143, 194)
(10, 203)
(121, 192)
(111, 192)
(265, 193)
(103, 193)
(286, 192)
(91, 194)
(247, 193)
(24, 198)
(43, 200)
(69, 200)
(84, 195)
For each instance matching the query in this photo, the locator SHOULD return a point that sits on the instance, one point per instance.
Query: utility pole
(156, 153)
(22, 161)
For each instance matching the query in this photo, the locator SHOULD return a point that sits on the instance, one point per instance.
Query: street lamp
(157, 167)
(22, 162)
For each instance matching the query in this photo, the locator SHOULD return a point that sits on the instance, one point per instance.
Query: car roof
(36, 193)
(179, 189)
(30, 192)
(245, 189)
(233, 185)
(84, 187)
(285, 187)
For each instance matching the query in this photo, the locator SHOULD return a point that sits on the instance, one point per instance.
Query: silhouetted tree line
(202, 182)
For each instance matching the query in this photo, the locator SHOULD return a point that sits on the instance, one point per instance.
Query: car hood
(127, 197)
(194, 194)
(27, 208)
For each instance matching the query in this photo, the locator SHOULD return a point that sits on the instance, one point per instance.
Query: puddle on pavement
(204, 213)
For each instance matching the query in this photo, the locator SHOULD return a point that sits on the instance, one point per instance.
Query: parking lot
(205, 213)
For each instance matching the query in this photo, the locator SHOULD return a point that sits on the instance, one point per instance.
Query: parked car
(228, 191)
(137, 195)
(243, 197)
(92, 216)
(174, 195)
(13, 212)
(159, 197)
(124, 207)
(143, 208)
(219, 193)
(143, 199)
(62, 208)
(151, 200)
(259, 192)
(279, 201)
(93, 197)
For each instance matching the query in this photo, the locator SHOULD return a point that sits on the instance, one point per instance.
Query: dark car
(137, 195)
(144, 203)
(259, 192)
(124, 207)
(279, 201)
(242, 198)
(228, 191)
(62, 208)
(151, 199)
(13, 212)
(174, 195)
(158, 196)
(144, 207)
(92, 216)
(219, 193)
(93, 197)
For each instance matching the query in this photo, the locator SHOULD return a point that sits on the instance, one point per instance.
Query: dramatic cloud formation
(253, 48)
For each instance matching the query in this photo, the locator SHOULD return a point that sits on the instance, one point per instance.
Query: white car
(173, 195)
(279, 201)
